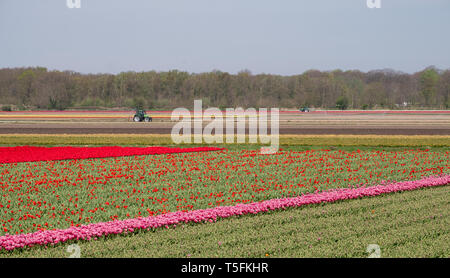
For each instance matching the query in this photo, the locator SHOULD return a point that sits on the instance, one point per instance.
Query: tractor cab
(304, 109)
(141, 116)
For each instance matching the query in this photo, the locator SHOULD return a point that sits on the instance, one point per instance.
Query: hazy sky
(265, 36)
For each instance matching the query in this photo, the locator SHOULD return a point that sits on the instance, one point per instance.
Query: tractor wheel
(136, 119)
(148, 119)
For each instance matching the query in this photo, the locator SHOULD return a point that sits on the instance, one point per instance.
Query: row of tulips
(93, 231)
(30, 153)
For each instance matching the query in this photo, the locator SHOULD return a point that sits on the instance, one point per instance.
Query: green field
(423, 141)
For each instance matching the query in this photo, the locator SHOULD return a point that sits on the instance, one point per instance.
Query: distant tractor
(304, 109)
(141, 116)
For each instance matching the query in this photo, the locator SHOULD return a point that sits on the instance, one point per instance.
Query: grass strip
(285, 140)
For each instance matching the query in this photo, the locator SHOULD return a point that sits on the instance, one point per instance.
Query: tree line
(39, 88)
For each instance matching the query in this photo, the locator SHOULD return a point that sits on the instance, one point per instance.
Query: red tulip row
(28, 153)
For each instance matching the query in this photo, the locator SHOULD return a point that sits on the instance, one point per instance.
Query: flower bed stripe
(30, 153)
(87, 232)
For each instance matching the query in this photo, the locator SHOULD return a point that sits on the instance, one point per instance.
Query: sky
(285, 37)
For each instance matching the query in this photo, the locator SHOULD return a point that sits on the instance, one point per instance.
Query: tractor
(141, 116)
(304, 109)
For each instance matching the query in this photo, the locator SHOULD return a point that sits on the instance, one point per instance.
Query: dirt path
(90, 129)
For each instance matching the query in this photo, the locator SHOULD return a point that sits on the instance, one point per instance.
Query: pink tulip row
(93, 231)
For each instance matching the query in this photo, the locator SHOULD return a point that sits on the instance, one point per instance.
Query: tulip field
(51, 195)
(405, 224)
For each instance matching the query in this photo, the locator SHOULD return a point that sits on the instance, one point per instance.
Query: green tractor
(304, 109)
(141, 116)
